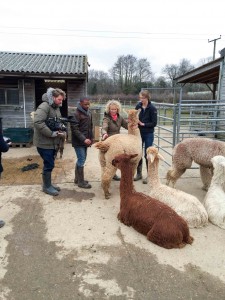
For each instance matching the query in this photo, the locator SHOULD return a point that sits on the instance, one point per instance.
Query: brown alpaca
(162, 225)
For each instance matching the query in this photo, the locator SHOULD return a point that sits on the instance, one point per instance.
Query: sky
(162, 31)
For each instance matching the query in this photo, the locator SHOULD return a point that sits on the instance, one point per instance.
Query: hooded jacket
(42, 134)
(148, 116)
(81, 127)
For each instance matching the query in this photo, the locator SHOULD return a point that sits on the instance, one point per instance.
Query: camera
(58, 124)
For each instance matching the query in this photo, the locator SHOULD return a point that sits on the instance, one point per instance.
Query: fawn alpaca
(118, 144)
(162, 225)
(199, 150)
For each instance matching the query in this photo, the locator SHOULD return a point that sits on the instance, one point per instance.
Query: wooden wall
(19, 115)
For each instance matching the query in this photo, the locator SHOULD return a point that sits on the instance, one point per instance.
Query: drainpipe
(24, 107)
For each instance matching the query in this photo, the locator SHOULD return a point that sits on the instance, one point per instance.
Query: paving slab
(73, 247)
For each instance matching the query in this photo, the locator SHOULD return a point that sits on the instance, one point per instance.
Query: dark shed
(24, 77)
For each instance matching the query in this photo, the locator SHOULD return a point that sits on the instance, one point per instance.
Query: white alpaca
(119, 144)
(185, 205)
(215, 198)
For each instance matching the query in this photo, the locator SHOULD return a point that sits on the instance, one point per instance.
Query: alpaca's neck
(153, 173)
(126, 184)
(134, 130)
(218, 177)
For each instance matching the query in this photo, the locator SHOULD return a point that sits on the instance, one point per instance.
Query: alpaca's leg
(169, 236)
(109, 172)
(173, 175)
(122, 217)
(206, 177)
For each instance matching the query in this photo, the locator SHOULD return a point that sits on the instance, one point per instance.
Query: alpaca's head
(123, 160)
(152, 154)
(133, 117)
(218, 162)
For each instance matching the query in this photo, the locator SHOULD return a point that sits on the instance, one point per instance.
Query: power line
(104, 31)
(101, 36)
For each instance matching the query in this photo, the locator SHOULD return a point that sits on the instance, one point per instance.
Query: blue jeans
(147, 141)
(48, 156)
(81, 153)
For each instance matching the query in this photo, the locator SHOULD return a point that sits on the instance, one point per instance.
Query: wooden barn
(24, 77)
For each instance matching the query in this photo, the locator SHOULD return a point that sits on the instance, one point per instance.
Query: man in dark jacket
(82, 138)
(147, 123)
(4, 147)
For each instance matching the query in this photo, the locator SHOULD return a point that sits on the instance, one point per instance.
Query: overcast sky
(163, 31)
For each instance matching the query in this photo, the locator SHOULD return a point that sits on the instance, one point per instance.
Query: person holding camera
(45, 139)
(4, 147)
(82, 138)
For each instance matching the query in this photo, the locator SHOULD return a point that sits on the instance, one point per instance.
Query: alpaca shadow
(73, 195)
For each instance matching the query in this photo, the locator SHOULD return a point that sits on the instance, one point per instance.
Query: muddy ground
(73, 247)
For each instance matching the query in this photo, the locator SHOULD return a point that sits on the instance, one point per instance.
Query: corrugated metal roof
(55, 64)
(208, 73)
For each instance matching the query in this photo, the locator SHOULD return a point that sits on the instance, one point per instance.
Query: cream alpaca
(119, 144)
(215, 198)
(199, 150)
(185, 205)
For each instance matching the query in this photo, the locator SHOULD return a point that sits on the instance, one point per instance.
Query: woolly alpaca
(162, 225)
(185, 205)
(118, 144)
(215, 198)
(199, 150)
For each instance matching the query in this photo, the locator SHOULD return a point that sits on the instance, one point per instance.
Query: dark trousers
(147, 141)
(48, 156)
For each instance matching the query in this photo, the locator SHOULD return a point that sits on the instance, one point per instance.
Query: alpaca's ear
(161, 157)
(138, 111)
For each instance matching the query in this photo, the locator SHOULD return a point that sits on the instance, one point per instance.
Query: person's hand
(54, 134)
(87, 142)
(141, 124)
(61, 133)
(104, 137)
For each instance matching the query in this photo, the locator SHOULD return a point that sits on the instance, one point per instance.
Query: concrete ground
(73, 247)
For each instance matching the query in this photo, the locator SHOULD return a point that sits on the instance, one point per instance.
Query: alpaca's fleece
(199, 150)
(119, 144)
(186, 205)
(215, 198)
(161, 224)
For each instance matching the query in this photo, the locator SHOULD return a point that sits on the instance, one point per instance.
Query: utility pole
(214, 48)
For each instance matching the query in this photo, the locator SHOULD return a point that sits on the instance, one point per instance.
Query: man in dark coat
(82, 138)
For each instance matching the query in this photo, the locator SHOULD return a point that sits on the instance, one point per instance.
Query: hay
(13, 175)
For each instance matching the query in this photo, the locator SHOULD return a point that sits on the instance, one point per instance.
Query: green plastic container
(19, 135)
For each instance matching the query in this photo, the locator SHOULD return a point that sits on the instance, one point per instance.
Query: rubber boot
(139, 171)
(81, 182)
(76, 177)
(47, 184)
